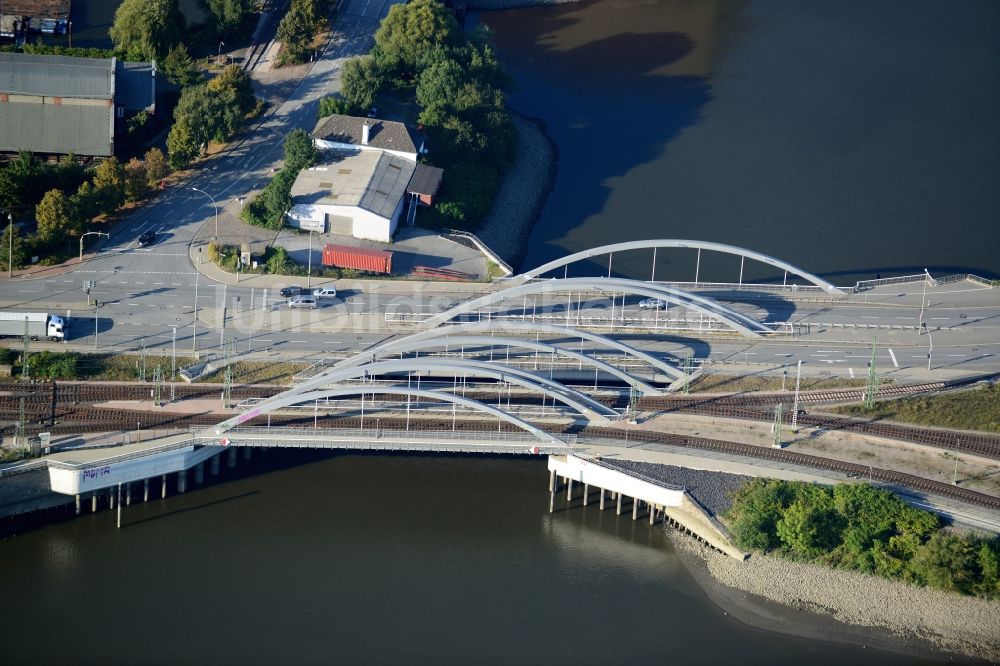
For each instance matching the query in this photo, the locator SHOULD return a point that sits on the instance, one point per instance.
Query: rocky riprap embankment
(713, 490)
(522, 193)
(953, 623)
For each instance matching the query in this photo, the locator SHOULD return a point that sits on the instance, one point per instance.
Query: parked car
(308, 302)
(325, 292)
(652, 304)
(293, 290)
(147, 239)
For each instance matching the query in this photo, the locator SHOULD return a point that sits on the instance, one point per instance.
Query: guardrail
(479, 245)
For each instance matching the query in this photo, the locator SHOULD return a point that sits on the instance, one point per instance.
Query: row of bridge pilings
(117, 496)
(557, 483)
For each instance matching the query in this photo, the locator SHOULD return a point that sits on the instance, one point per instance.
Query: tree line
(66, 196)
(863, 528)
(421, 53)
(269, 207)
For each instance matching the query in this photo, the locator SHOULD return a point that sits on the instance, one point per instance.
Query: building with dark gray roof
(56, 105)
(350, 133)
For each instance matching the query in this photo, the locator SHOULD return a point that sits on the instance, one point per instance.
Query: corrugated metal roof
(57, 76)
(372, 180)
(387, 185)
(51, 128)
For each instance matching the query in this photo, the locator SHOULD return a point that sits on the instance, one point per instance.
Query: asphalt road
(146, 293)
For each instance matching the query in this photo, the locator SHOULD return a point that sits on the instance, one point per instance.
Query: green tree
(412, 29)
(229, 14)
(295, 32)
(756, 508)
(183, 146)
(808, 528)
(20, 182)
(331, 106)
(53, 365)
(146, 29)
(237, 82)
(156, 166)
(300, 153)
(86, 203)
(13, 248)
(279, 263)
(946, 562)
(179, 68)
(55, 216)
(136, 180)
(988, 559)
(109, 181)
(439, 84)
(360, 81)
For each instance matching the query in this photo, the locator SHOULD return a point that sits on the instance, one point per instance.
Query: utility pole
(230, 359)
(157, 386)
(194, 324)
(776, 428)
(173, 364)
(633, 404)
(25, 368)
(954, 476)
(142, 359)
(872, 389)
(20, 436)
(795, 403)
(10, 249)
(688, 370)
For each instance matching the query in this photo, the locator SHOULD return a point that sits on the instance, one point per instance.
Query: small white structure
(358, 194)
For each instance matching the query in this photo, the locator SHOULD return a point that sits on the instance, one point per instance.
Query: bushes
(52, 365)
(269, 208)
(856, 526)
(330, 106)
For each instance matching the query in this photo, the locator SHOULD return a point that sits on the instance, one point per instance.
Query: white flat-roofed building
(358, 194)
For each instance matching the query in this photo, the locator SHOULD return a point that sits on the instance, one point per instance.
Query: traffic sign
(224, 441)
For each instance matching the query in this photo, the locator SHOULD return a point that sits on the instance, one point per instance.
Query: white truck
(40, 325)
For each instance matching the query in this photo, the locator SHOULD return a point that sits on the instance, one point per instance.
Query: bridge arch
(404, 345)
(675, 243)
(584, 404)
(735, 320)
(531, 327)
(281, 401)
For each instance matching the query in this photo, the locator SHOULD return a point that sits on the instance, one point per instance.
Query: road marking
(939, 318)
(864, 317)
(851, 370)
(893, 358)
(158, 283)
(957, 355)
(300, 341)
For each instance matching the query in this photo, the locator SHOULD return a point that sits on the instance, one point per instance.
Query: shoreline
(523, 191)
(819, 603)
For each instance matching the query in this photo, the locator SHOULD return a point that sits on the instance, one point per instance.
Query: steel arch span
(280, 402)
(674, 243)
(713, 309)
(585, 405)
(532, 327)
(405, 345)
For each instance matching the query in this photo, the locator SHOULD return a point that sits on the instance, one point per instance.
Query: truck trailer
(40, 325)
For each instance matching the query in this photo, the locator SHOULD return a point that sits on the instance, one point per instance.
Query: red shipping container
(359, 258)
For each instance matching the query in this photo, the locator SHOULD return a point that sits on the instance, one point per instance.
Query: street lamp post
(10, 250)
(309, 271)
(214, 206)
(219, 57)
(89, 233)
(930, 349)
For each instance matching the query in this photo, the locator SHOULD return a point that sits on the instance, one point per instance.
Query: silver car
(653, 304)
(302, 302)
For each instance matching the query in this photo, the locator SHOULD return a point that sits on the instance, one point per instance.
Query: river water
(372, 559)
(851, 138)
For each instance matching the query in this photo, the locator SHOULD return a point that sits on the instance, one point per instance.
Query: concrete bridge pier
(231, 458)
(182, 477)
(569, 491)
(145, 490)
(199, 473)
(163, 486)
(552, 481)
(111, 499)
(618, 511)
(214, 467)
(603, 493)
(635, 508)
(93, 503)
(586, 493)
(128, 494)
(652, 514)
(78, 504)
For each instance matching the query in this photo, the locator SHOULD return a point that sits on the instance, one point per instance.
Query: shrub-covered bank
(856, 526)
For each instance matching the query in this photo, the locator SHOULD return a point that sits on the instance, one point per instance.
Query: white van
(302, 302)
(325, 292)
